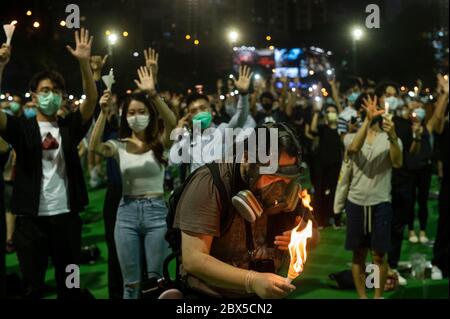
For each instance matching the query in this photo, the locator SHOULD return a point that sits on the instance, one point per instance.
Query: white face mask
(138, 123)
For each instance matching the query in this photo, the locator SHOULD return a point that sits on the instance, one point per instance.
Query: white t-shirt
(53, 198)
(371, 171)
(141, 173)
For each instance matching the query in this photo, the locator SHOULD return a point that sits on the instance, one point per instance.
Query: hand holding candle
(9, 31)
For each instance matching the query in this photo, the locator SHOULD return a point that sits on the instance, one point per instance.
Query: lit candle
(386, 108)
(9, 31)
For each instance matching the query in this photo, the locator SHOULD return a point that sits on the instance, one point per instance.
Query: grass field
(314, 283)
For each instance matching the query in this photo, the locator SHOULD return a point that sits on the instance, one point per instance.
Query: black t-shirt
(400, 176)
(329, 152)
(25, 137)
(424, 158)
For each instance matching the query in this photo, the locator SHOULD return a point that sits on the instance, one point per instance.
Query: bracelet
(248, 279)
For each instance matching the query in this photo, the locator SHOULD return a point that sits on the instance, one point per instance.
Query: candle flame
(14, 22)
(306, 199)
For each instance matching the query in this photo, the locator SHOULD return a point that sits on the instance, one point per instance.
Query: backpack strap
(225, 218)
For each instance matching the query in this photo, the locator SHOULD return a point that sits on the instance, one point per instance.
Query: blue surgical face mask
(420, 113)
(353, 97)
(49, 103)
(29, 112)
(393, 103)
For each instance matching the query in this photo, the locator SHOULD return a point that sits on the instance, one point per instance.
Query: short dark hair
(195, 97)
(360, 100)
(53, 76)
(267, 95)
(334, 106)
(350, 84)
(381, 88)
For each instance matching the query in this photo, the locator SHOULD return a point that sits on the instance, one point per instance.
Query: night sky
(400, 50)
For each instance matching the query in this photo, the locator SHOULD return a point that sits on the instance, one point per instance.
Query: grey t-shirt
(371, 171)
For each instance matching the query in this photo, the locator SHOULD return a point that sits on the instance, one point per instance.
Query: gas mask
(271, 195)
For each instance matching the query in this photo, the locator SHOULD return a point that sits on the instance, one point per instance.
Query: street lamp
(112, 39)
(357, 35)
(233, 36)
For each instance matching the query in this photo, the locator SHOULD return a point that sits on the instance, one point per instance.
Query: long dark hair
(152, 132)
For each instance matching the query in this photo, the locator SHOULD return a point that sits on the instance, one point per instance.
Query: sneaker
(401, 280)
(436, 273)
(424, 239)
(413, 237)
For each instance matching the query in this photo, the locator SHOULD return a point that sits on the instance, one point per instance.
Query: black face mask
(267, 106)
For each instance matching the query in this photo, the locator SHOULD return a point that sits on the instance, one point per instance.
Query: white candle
(386, 108)
(9, 31)
(109, 79)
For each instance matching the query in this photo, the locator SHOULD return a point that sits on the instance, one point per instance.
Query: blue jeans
(140, 229)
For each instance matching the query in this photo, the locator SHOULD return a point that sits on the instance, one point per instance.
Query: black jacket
(24, 136)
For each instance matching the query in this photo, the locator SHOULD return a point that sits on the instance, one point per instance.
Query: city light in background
(233, 36)
(357, 33)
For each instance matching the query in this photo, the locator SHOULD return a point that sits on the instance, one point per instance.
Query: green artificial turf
(329, 257)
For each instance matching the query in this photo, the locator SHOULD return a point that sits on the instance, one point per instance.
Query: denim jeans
(139, 232)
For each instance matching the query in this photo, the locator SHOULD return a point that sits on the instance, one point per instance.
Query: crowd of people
(370, 151)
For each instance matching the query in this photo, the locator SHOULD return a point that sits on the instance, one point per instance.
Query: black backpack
(173, 235)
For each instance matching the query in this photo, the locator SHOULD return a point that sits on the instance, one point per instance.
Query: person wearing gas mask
(269, 114)
(199, 110)
(140, 224)
(49, 189)
(234, 241)
(328, 163)
(374, 150)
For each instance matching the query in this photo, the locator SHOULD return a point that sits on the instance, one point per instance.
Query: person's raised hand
(417, 128)
(245, 77)
(146, 81)
(106, 101)
(5, 55)
(370, 106)
(83, 46)
(443, 83)
(389, 127)
(152, 60)
(270, 286)
(184, 121)
(98, 62)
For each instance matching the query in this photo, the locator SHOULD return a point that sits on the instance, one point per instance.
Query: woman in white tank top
(141, 217)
